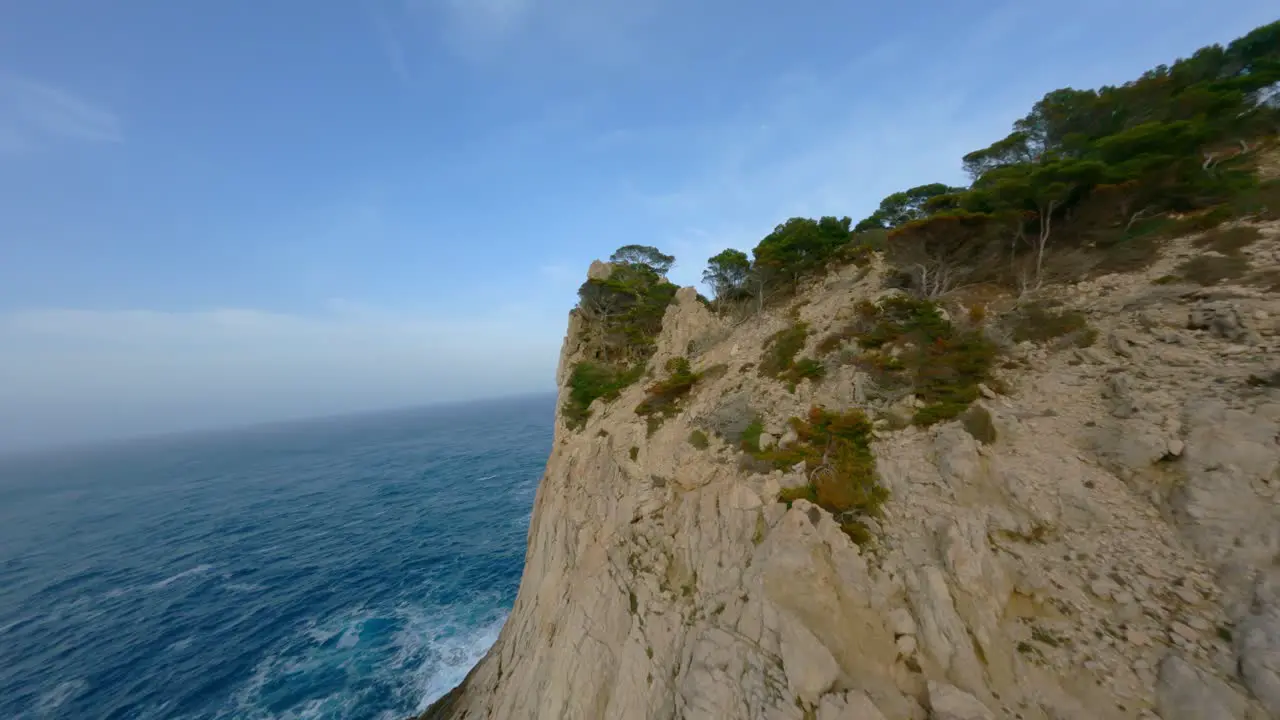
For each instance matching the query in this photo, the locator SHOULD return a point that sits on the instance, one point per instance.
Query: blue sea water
(341, 568)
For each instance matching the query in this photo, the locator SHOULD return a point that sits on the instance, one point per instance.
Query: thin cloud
(391, 45)
(474, 27)
(593, 32)
(34, 114)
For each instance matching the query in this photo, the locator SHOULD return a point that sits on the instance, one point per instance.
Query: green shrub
(836, 452)
(1209, 270)
(1038, 322)
(663, 397)
(907, 342)
(1266, 279)
(1202, 221)
(836, 340)
(699, 440)
(627, 310)
(635, 452)
(1131, 252)
(751, 436)
(781, 348)
(1261, 202)
(589, 381)
(805, 368)
(1229, 241)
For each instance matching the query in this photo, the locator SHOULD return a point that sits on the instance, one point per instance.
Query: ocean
(347, 568)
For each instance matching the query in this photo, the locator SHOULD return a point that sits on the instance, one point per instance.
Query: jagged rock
(687, 324)
(1185, 693)
(1222, 320)
(1124, 345)
(1119, 388)
(852, 705)
(1040, 574)
(957, 454)
(901, 622)
(951, 703)
(1258, 643)
(599, 270)
(906, 645)
(810, 668)
(943, 634)
(1229, 455)
(788, 438)
(1091, 355)
(731, 417)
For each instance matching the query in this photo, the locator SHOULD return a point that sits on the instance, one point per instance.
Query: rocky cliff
(1103, 542)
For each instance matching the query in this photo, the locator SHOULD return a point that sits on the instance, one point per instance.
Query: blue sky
(215, 213)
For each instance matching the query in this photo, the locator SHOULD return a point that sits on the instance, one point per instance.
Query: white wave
(181, 645)
(20, 621)
(350, 637)
(451, 650)
(55, 698)
(184, 574)
(430, 652)
(243, 587)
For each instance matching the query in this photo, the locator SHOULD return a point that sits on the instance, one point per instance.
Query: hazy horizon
(108, 442)
(235, 213)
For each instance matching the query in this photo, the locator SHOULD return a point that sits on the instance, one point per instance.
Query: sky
(231, 212)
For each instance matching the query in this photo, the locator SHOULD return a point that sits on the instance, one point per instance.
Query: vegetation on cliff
(1088, 181)
(1085, 177)
(841, 469)
(908, 342)
(662, 399)
(623, 315)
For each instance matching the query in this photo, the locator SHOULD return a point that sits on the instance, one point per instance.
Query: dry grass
(1229, 240)
(1266, 279)
(1208, 270)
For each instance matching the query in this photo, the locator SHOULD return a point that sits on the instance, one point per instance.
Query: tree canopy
(800, 245)
(728, 273)
(903, 207)
(628, 305)
(645, 255)
(1082, 165)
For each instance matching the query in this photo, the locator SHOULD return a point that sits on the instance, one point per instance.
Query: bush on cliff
(779, 358)
(590, 381)
(836, 451)
(908, 342)
(662, 399)
(622, 315)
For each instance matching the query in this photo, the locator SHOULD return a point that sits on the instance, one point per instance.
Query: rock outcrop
(1108, 546)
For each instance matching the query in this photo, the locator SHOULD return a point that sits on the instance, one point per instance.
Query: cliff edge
(1098, 536)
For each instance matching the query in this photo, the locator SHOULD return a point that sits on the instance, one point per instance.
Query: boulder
(1258, 643)
(948, 702)
(1223, 320)
(1186, 693)
(810, 668)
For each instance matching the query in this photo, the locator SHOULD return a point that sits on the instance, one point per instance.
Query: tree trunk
(1046, 227)
(1135, 218)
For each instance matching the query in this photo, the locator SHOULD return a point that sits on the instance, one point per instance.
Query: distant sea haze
(349, 568)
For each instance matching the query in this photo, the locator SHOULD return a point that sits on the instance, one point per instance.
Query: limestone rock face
(1185, 693)
(1107, 550)
(949, 703)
